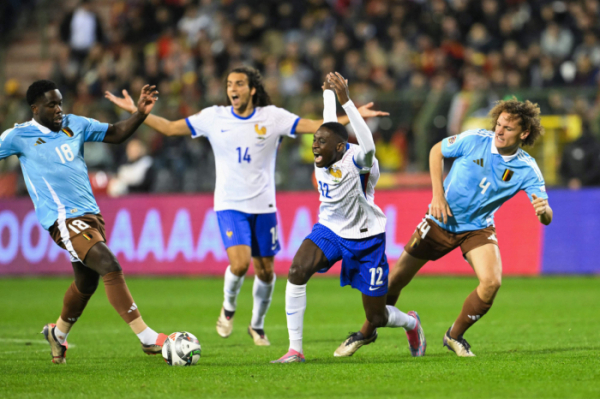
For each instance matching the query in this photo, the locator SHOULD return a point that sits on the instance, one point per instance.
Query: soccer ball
(181, 349)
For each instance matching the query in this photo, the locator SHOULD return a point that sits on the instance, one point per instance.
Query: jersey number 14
(245, 157)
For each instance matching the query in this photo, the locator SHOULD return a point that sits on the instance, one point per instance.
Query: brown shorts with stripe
(431, 242)
(78, 235)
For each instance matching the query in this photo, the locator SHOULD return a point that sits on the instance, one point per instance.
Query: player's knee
(240, 268)
(490, 288)
(265, 275)
(87, 285)
(298, 274)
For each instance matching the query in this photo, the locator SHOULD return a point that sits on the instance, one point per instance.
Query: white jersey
(348, 197)
(245, 150)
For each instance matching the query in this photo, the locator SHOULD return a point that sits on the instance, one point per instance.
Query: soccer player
(50, 149)
(351, 228)
(244, 137)
(490, 169)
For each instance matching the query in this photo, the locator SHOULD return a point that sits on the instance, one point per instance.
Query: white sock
(295, 305)
(396, 318)
(61, 337)
(148, 336)
(231, 289)
(262, 293)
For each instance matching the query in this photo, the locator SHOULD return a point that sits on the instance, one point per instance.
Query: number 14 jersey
(53, 166)
(245, 149)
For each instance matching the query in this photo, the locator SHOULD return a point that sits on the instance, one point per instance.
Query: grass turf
(541, 339)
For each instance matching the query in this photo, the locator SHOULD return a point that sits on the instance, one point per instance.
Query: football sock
(473, 309)
(262, 293)
(74, 302)
(396, 318)
(295, 305)
(231, 289)
(120, 298)
(148, 336)
(60, 335)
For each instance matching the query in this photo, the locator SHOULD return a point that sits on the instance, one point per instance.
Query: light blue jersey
(481, 180)
(53, 167)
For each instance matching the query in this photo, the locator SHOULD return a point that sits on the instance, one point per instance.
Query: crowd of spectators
(435, 62)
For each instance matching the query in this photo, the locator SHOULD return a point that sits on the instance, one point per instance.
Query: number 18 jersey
(245, 149)
(53, 166)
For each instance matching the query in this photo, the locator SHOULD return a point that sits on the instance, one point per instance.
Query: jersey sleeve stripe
(531, 163)
(293, 132)
(187, 121)
(364, 180)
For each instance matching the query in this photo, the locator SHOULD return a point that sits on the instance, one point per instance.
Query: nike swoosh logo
(374, 288)
(223, 131)
(289, 314)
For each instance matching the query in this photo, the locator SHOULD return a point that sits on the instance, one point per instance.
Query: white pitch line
(30, 341)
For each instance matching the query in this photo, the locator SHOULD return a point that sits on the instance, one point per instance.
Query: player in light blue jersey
(490, 168)
(50, 149)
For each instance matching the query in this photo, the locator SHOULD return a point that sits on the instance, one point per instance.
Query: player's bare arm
(121, 131)
(542, 209)
(439, 206)
(160, 124)
(310, 126)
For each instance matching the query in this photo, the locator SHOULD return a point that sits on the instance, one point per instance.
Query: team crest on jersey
(451, 140)
(67, 130)
(336, 173)
(229, 233)
(507, 175)
(262, 131)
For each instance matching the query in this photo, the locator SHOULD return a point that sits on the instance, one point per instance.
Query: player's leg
(74, 302)
(265, 246)
(309, 259)
(481, 251)
(236, 236)
(101, 260)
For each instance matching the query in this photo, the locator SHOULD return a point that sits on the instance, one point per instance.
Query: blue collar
(242, 117)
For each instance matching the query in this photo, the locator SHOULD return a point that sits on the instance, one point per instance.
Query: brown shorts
(431, 242)
(78, 235)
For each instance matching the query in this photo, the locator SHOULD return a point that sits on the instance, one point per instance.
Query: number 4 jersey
(481, 180)
(53, 166)
(245, 149)
(347, 195)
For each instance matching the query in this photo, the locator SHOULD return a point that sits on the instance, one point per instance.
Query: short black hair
(38, 88)
(337, 128)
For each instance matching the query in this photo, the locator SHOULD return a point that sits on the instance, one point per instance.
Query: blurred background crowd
(433, 65)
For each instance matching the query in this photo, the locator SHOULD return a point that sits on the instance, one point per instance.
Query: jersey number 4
(484, 186)
(66, 151)
(245, 157)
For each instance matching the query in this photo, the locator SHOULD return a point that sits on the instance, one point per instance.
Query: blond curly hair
(528, 114)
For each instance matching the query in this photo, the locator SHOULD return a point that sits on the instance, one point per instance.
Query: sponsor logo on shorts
(374, 288)
(493, 237)
(415, 243)
(229, 233)
(87, 236)
(474, 318)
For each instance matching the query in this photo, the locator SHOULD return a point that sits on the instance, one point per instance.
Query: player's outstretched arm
(542, 209)
(160, 124)
(121, 131)
(439, 206)
(310, 126)
(362, 131)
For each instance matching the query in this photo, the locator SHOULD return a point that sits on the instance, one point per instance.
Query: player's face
(509, 133)
(327, 148)
(48, 110)
(239, 92)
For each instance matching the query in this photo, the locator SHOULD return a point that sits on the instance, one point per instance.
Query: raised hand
(539, 204)
(147, 99)
(340, 86)
(125, 102)
(366, 111)
(326, 85)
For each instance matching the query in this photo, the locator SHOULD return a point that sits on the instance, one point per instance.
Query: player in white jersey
(244, 137)
(351, 228)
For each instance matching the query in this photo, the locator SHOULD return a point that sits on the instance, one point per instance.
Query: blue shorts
(258, 231)
(364, 264)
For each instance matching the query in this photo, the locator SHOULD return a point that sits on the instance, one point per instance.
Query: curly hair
(528, 114)
(37, 90)
(261, 97)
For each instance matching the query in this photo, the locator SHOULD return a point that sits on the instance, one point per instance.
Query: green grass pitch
(541, 339)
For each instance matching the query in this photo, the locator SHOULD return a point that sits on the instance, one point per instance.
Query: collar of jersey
(507, 158)
(243, 117)
(42, 128)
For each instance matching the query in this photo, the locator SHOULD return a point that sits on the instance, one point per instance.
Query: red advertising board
(176, 235)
